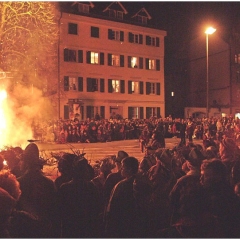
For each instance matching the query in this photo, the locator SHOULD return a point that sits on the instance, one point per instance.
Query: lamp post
(209, 30)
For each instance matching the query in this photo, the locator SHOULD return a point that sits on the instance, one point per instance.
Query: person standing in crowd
(148, 160)
(21, 224)
(223, 202)
(162, 179)
(182, 132)
(190, 129)
(115, 177)
(78, 204)
(121, 210)
(38, 192)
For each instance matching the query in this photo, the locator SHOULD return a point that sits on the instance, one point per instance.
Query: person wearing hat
(162, 180)
(78, 203)
(121, 209)
(148, 160)
(184, 183)
(38, 192)
(113, 178)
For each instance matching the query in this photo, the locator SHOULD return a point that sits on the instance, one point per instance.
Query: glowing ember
(4, 162)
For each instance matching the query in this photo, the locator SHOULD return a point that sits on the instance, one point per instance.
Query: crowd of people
(104, 130)
(189, 191)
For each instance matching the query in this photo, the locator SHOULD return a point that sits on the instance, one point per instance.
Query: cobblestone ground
(95, 151)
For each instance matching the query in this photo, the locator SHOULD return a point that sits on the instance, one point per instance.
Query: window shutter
(102, 111)
(101, 85)
(101, 58)
(130, 37)
(122, 86)
(66, 112)
(110, 85)
(65, 55)
(80, 84)
(121, 60)
(66, 83)
(129, 61)
(141, 113)
(88, 56)
(82, 112)
(130, 87)
(158, 65)
(130, 112)
(80, 56)
(147, 63)
(148, 88)
(158, 89)
(109, 59)
(140, 38)
(89, 85)
(158, 112)
(141, 87)
(121, 36)
(157, 42)
(141, 63)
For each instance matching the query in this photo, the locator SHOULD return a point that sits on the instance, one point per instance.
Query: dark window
(69, 55)
(72, 28)
(95, 32)
(92, 84)
(90, 112)
(122, 86)
(66, 83)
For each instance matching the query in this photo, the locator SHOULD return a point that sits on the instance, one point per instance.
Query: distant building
(224, 76)
(111, 62)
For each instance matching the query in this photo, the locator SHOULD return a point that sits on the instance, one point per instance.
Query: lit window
(73, 83)
(135, 87)
(116, 86)
(151, 63)
(116, 60)
(134, 62)
(94, 58)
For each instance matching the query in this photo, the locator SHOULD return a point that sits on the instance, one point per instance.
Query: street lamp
(209, 30)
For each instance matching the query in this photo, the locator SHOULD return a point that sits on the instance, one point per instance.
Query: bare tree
(28, 42)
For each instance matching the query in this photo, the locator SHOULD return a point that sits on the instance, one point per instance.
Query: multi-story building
(109, 65)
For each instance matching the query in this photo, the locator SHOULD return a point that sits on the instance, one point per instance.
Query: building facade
(108, 66)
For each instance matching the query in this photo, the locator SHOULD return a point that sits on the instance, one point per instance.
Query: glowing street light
(209, 30)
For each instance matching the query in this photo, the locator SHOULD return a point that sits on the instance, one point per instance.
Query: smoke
(20, 109)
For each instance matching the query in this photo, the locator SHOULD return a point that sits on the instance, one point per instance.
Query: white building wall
(83, 41)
